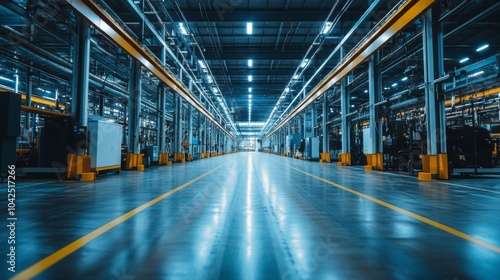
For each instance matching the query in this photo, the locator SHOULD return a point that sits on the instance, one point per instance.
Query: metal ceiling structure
(293, 46)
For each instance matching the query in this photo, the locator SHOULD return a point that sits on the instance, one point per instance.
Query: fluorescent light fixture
(476, 74)
(304, 63)
(287, 89)
(6, 79)
(249, 89)
(250, 78)
(465, 59)
(249, 100)
(220, 99)
(249, 28)
(483, 47)
(249, 96)
(404, 79)
(215, 90)
(209, 79)
(202, 64)
(366, 91)
(327, 26)
(183, 29)
(250, 63)
(295, 77)
(395, 85)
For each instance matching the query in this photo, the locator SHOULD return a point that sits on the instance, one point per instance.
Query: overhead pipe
(66, 67)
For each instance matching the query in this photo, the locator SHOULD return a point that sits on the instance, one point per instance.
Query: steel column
(80, 79)
(326, 135)
(178, 124)
(375, 96)
(134, 107)
(161, 119)
(433, 69)
(344, 111)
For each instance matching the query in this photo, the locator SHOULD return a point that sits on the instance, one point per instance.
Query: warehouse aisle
(258, 216)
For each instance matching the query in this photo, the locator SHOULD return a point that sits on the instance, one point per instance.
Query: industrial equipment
(10, 106)
(292, 144)
(105, 144)
(151, 155)
(469, 147)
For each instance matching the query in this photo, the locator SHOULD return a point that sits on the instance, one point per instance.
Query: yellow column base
(430, 166)
(344, 159)
(133, 161)
(87, 177)
(374, 162)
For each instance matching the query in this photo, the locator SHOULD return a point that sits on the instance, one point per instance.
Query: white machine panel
(105, 142)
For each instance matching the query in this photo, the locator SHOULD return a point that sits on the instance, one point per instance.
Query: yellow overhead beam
(405, 15)
(44, 112)
(94, 14)
(469, 97)
(42, 101)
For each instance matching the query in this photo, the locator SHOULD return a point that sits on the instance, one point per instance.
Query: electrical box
(152, 153)
(105, 143)
(311, 148)
(292, 143)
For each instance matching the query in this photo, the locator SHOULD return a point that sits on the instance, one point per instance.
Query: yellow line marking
(423, 219)
(47, 262)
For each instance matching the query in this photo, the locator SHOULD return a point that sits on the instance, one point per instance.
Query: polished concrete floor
(257, 216)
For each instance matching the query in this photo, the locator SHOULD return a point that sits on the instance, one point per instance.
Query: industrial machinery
(469, 147)
(105, 144)
(311, 150)
(292, 144)
(10, 105)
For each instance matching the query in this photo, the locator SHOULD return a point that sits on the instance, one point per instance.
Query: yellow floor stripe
(47, 262)
(423, 219)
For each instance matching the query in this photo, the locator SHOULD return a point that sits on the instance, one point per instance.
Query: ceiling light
(202, 64)
(465, 59)
(304, 63)
(404, 79)
(249, 96)
(395, 85)
(249, 28)
(327, 26)
(366, 90)
(250, 78)
(249, 89)
(6, 79)
(295, 77)
(250, 63)
(218, 98)
(183, 29)
(483, 47)
(215, 90)
(287, 89)
(209, 79)
(476, 74)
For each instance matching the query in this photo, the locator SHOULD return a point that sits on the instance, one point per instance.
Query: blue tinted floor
(256, 216)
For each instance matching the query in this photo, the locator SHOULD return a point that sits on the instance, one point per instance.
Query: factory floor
(257, 216)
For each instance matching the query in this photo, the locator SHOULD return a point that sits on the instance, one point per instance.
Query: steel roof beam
(257, 15)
